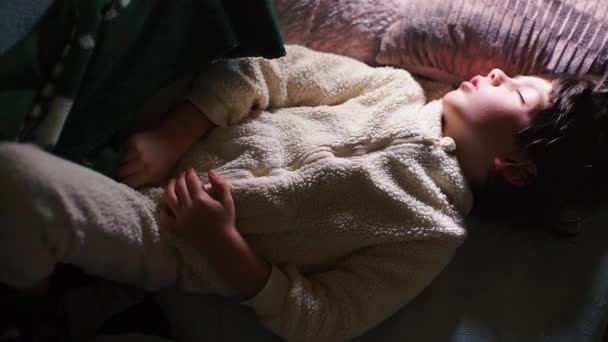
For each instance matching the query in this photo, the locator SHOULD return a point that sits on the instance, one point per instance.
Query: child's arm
(207, 220)
(151, 154)
(231, 90)
(361, 291)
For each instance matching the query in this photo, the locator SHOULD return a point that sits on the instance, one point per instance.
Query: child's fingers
(182, 191)
(221, 187)
(171, 196)
(195, 187)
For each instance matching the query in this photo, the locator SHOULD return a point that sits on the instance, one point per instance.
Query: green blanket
(73, 84)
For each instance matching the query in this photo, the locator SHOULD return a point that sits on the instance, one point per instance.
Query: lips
(467, 85)
(472, 84)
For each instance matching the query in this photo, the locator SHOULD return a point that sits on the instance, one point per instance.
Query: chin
(451, 101)
(453, 97)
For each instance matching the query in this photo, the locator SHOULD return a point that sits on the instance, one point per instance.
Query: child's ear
(519, 174)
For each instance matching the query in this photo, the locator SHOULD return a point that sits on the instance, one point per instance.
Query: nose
(497, 77)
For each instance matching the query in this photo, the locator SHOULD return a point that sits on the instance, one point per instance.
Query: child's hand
(149, 158)
(207, 220)
(194, 214)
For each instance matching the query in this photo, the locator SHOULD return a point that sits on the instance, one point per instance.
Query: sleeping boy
(323, 193)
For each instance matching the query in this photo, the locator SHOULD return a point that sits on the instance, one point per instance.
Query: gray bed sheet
(504, 284)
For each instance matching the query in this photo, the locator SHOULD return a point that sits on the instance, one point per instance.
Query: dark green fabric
(19, 83)
(54, 33)
(17, 18)
(255, 24)
(147, 45)
(20, 68)
(18, 103)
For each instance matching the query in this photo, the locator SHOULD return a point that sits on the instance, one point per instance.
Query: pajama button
(260, 172)
(448, 144)
(430, 142)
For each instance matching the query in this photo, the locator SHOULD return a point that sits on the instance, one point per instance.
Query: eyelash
(521, 96)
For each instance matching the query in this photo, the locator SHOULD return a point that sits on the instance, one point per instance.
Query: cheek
(488, 119)
(496, 129)
(499, 129)
(481, 112)
(479, 115)
(507, 119)
(470, 106)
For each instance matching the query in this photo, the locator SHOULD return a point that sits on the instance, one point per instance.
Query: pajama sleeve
(232, 89)
(359, 293)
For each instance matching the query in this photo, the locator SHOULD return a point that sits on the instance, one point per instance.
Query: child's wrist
(236, 261)
(220, 241)
(174, 139)
(185, 125)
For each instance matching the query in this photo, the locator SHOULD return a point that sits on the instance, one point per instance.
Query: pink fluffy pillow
(352, 28)
(453, 40)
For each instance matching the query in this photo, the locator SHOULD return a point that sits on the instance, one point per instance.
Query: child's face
(492, 109)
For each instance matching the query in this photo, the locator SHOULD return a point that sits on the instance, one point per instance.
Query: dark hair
(567, 142)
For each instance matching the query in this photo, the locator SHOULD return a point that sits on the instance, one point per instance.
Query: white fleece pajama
(341, 178)
(55, 211)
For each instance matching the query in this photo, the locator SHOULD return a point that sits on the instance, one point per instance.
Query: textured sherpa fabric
(351, 28)
(453, 40)
(55, 211)
(341, 179)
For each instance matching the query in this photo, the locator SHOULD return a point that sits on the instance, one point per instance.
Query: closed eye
(521, 97)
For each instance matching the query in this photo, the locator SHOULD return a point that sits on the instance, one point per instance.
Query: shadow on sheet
(504, 284)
